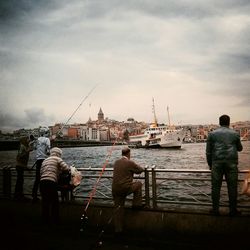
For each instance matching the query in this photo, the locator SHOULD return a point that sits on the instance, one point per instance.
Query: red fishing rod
(84, 216)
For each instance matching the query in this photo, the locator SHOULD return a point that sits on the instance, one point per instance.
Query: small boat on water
(156, 136)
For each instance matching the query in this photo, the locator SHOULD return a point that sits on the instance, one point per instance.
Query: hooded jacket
(53, 166)
(223, 145)
(42, 147)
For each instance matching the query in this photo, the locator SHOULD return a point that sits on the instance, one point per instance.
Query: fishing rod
(84, 99)
(60, 131)
(84, 216)
(99, 241)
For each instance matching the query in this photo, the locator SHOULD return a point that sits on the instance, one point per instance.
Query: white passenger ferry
(158, 136)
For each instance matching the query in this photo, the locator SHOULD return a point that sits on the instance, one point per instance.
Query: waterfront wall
(159, 222)
(146, 223)
(156, 221)
(14, 144)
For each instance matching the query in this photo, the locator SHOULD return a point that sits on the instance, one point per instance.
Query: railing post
(147, 196)
(154, 193)
(7, 182)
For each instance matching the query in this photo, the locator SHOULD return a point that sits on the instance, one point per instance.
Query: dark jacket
(223, 145)
(22, 157)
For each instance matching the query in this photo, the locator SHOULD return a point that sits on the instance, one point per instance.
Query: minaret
(100, 116)
(155, 123)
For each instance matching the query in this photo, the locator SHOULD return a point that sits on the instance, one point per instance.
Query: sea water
(190, 156)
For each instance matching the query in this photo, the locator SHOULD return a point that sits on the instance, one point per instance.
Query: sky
(57, 56)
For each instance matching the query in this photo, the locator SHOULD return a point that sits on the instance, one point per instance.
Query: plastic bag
(76, 177)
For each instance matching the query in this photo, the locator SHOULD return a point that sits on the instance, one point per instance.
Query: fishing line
(84, 99)
(84, 216)
(92, 194)
(99, 241)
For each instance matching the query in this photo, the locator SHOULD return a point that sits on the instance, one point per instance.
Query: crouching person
(50, 170)
(123, 185)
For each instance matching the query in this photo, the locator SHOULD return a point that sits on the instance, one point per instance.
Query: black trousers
(50, 201)
(19, 182)
(37, 180)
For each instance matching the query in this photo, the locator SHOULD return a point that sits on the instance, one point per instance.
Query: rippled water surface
(190, 156)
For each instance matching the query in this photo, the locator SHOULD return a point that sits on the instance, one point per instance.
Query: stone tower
(100, 116)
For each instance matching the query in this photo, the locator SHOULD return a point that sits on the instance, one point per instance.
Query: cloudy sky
(190, 55)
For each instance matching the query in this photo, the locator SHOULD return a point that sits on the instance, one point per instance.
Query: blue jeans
(230, 170)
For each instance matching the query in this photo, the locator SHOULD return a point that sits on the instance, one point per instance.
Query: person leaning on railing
(123, 185)
(42, 146)
(50, 171)
(22, 159)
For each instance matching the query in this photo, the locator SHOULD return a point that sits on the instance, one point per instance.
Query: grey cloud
(97, 8)
(166, 9)
(30, 119)
(41, 38)
(235, 63)
(241, 88)
(15, 9)
(36, 115)
(8, 121)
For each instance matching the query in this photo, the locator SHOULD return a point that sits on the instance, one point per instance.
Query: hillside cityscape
(104, 129)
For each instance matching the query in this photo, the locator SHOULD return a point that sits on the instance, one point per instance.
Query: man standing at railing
(22, 159)
(42, 152)
(222, 149)
(123, 185)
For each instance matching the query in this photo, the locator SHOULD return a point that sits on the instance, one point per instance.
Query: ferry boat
(156, 136)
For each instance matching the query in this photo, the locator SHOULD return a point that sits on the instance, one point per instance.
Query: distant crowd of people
(223, 145)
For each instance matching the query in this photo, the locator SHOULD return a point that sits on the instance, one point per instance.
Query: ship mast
(155, 123)
(169, 124)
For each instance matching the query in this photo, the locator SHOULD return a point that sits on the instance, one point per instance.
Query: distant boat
(156, 136)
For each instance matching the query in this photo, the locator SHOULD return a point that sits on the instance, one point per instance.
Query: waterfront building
(105, 129)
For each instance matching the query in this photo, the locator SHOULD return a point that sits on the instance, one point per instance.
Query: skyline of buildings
(105, 129)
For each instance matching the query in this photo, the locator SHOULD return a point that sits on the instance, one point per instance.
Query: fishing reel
(83, 222)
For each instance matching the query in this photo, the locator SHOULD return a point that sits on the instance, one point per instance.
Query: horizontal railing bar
(90, 175)
(162, 170)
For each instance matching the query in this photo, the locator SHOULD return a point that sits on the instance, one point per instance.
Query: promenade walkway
(21, 228)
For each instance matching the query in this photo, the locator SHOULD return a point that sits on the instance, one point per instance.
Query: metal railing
(162, 188)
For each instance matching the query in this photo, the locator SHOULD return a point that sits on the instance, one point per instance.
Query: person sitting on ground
(22, 159)
(246, 185)
(123, 185)
(50, 171)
